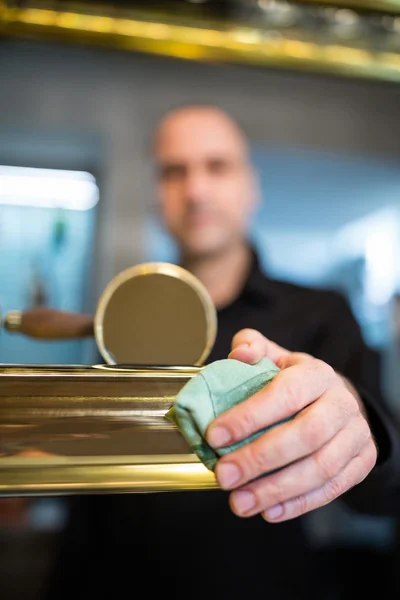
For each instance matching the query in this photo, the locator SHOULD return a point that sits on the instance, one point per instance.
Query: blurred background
(315, 86)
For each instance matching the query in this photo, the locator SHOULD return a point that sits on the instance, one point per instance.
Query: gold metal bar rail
(69, 430)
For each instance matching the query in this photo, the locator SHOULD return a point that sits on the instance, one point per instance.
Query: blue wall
(31, 242)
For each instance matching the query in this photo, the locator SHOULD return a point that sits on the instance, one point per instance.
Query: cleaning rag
(216, 388)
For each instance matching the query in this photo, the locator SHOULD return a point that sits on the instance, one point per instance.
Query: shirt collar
(258, 286)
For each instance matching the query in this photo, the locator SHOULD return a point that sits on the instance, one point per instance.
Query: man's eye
(172, 172)
(218, 167)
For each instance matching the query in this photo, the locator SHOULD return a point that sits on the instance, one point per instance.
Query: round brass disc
(155, 314)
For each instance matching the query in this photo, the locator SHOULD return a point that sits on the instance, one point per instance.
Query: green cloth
(217, 387)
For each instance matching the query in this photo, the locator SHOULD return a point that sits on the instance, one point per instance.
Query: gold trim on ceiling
(285, 48)
(382, 6)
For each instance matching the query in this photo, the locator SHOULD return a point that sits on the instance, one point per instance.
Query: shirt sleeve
(379, 493)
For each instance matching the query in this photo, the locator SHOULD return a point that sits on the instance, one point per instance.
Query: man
(193, 544)
(208, 192)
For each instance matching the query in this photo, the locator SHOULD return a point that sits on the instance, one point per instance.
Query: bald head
(209, 119)
(206, 183)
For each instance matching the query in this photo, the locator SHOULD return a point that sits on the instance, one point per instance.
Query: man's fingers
(310, 473)
(289, 442)
(292, 390)
(250, 346)
(355, 472)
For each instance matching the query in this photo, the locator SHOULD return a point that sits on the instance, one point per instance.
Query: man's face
(205, 183)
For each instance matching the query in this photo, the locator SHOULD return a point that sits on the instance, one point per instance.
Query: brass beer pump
(101, 428)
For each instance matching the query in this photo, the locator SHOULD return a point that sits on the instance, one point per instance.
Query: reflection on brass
(155, 314)
(87, 429)
(252, 42)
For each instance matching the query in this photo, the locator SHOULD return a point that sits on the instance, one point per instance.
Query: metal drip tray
(100, 428)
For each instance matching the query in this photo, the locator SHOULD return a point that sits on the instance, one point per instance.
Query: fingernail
(240, 347)
(227, 474)
(218, 436)
(274, 512)
(243, 501)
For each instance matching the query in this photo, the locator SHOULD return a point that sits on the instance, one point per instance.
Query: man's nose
(197, 188)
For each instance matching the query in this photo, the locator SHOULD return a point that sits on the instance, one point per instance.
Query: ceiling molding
(344, 45)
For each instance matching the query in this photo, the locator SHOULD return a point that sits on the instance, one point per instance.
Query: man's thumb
(250, 346)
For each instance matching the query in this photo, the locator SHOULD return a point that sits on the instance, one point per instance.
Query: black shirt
(189, 544)
(301, 319)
